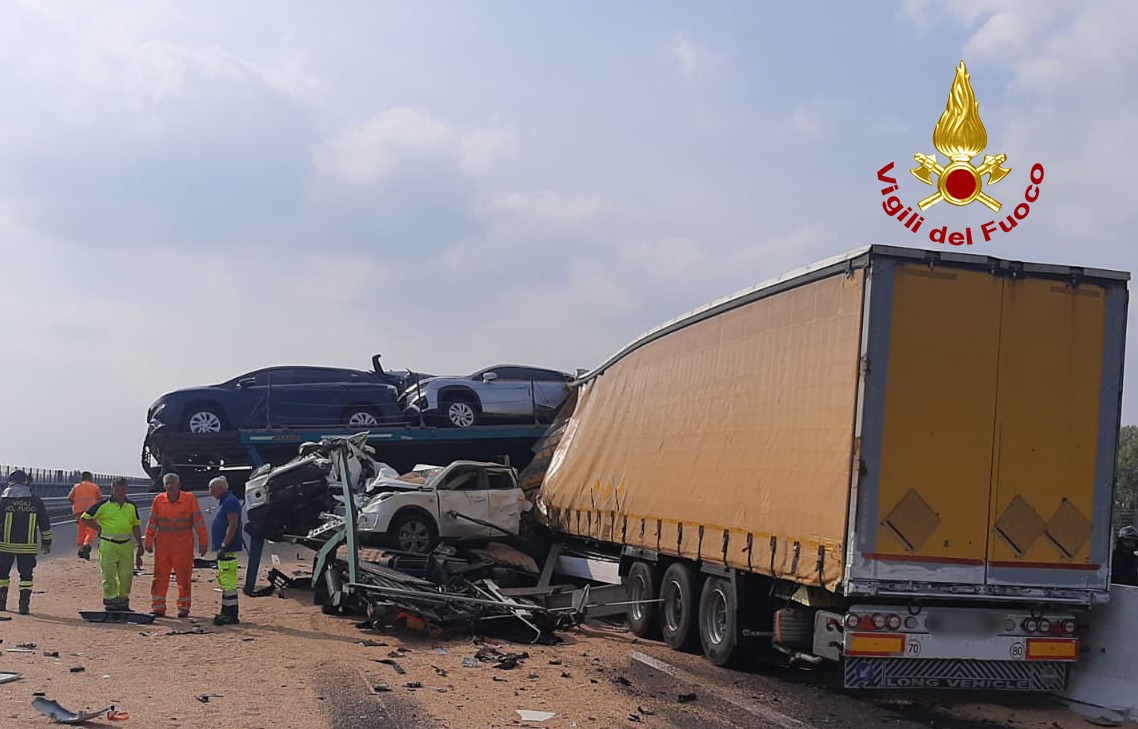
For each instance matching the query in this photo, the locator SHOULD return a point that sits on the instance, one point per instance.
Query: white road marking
(764, 712)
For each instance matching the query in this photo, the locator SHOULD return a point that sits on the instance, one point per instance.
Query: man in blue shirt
(225, 536)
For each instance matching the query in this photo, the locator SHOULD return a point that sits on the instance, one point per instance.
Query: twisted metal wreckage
(496, 588)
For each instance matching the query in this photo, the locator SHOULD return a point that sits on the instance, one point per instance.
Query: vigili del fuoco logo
(960, 136)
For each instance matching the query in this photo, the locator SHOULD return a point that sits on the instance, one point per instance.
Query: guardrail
(53, 482)
(63, 475)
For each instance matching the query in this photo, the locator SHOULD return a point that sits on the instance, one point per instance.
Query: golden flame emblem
(960, 136)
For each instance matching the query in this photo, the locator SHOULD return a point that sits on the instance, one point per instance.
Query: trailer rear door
(989, 422)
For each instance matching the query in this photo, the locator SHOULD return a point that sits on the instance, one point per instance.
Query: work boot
(228, 616)
(25, 601)
(3, 599)
(85, 552)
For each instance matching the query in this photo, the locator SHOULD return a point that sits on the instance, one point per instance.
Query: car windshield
(420, 475)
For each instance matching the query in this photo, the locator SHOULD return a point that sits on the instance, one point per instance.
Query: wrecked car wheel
(680, 593)
(413, 532)
(203, 419)
(361, 418)
(641, 585)
(461, 414)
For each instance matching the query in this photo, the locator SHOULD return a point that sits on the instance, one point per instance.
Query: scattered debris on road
(66, 716)
(530, 715)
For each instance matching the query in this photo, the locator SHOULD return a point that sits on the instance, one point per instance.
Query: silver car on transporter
(499, 394)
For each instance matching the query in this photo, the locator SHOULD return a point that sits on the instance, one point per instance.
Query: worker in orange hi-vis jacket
(83, 496)
(174, 519)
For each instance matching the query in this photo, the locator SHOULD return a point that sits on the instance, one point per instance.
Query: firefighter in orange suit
(174, 519)
(83, 496)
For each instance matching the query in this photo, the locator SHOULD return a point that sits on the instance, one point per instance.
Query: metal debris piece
(204, 698)
(470, 662)
(387, 661)
(66, 716)
(51, 654)
(6, 677)
(28, 646)
(529, 715)
(371, 643)
(414, 685)
(77, 669)
(380, 688)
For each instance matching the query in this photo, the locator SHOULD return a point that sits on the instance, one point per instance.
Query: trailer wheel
(718, 632)
(641, 585)
(679, 590)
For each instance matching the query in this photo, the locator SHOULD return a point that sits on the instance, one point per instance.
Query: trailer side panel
(728, 440)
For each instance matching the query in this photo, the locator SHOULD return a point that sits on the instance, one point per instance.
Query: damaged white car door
(460, 492)
(488, 494)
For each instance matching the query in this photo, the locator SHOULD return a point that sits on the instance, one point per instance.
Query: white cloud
(378, 148)
(695, 60)
(546, 208)
(481, 148)
(371, 151)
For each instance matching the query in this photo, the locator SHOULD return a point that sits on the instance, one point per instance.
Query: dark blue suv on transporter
(284, 397)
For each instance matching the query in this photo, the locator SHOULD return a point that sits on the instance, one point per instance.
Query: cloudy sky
(193, 190)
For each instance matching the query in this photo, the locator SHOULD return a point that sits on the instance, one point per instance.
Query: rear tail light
(1030, 625)
(893, 621)
(853, 620)
(879, 620)
(1069, 626)
(911, 623)
(1044, 625)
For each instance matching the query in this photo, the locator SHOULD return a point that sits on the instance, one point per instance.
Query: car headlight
(367, 521)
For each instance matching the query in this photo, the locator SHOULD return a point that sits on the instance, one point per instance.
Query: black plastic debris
(504, 661)
(380, 688)
(66, 716)
(77, 669)
(116, 616)
(204, 698)
(686, 698)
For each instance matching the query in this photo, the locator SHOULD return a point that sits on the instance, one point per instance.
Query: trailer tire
(680, 592)
(641, 585)
(718, 632)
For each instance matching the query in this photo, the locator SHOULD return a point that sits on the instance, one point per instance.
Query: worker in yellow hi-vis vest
(117, 529)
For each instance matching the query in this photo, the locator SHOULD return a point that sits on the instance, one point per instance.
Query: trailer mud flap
(953, 673)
